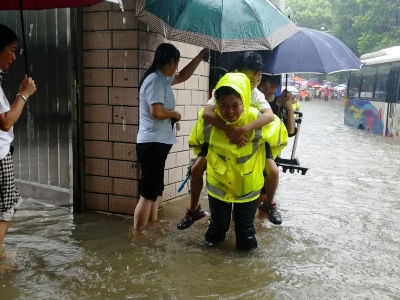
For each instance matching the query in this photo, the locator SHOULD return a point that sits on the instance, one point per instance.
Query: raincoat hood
(240, 83)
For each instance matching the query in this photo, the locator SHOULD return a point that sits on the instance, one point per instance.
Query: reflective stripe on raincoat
(235, 174)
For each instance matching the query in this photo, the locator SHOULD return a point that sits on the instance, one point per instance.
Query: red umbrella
(310, 84)
(44, 4)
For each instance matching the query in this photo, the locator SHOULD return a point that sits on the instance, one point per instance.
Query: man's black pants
(244, 214)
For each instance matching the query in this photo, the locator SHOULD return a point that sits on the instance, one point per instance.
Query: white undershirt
(6, 138)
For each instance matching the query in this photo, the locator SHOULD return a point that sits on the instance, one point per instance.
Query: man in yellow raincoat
(235, 174)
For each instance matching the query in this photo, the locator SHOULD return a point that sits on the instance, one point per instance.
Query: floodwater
(339, 238)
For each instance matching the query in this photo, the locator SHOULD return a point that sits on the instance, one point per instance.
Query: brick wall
(116, 52)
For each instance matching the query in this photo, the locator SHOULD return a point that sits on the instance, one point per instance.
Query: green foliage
(340, 77)
(378, 26)
(344, 12)
(363, 25)
(314, 14)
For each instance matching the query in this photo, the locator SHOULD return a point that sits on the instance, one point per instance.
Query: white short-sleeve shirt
(257, 100)
(6, 138)
(156, 88)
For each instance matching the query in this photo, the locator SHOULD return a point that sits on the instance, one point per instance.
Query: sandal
(191, 217)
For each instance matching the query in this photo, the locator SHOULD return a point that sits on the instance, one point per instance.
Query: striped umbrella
(221, 25)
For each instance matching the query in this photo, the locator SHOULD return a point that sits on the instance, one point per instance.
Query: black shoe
(191, 217)
(272, 212)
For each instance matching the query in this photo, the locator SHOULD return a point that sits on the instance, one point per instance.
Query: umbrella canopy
(310, 51)
(222, 25)
(310, 84)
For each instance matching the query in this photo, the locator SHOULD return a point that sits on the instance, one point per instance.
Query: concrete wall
(116, 52)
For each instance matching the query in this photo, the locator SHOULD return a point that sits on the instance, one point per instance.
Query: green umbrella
(222, 25)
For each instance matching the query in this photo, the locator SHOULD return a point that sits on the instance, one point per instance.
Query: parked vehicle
(373, 94)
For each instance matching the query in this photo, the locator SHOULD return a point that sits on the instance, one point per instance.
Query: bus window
(354, 86)
(381, 88)
(383, 69)
(392, 87)
(367, 87)
(398, 86)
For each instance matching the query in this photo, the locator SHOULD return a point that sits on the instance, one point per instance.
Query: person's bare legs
(271, 180)
(142, 213)
(268, 205)
(196, 182)
(154, 209)
(4, 225)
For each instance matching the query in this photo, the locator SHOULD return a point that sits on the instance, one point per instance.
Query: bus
(372, 100)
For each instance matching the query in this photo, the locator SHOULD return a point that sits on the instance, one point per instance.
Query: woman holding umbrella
(9, 115)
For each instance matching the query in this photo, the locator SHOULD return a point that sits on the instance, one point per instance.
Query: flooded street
(339, 238)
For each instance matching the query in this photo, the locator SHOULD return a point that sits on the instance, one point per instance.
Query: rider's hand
(236, 134)
(243, 141)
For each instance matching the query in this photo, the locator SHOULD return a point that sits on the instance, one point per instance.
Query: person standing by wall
(156, 134)
(9, 115)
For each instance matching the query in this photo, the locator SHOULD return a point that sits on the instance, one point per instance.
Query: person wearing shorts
(9, 115)
(156, 135)
(282, 107)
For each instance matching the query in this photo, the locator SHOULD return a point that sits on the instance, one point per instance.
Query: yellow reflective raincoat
(235, 174)
(296, 106)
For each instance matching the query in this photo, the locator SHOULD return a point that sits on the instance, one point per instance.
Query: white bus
(373, 93)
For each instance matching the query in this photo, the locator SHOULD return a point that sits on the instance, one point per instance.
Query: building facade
(76, 140)
(116, 52)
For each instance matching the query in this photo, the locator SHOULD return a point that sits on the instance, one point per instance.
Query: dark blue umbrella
(308, 51)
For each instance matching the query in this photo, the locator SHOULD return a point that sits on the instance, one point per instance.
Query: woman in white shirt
(9, 115)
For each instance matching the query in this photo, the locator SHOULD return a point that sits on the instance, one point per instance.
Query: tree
(314, 14)
(344, 13)
(379, 26)
(366, 25)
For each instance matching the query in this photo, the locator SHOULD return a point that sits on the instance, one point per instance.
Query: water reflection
(339, 238)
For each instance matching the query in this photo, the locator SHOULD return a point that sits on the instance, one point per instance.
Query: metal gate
(43, 135)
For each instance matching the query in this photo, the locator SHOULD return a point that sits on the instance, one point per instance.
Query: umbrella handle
(23, 38)
(286, 81)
